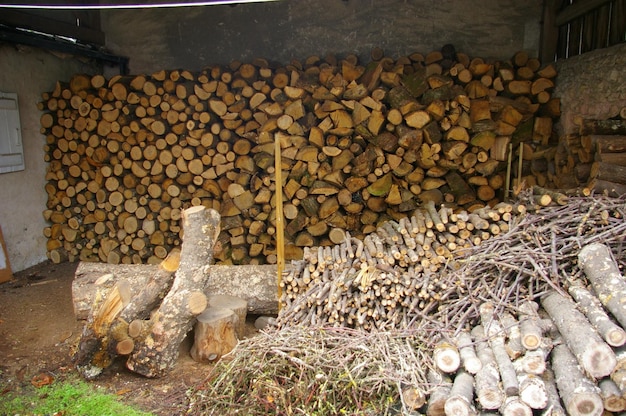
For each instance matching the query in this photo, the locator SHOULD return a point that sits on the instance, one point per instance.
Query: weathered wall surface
(28, 72)
(592, 85)
(191, 38)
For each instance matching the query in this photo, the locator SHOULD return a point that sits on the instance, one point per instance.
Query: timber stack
(561, 356)
(594, 157)
(361, 144)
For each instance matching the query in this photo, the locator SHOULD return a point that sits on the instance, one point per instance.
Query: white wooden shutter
(11, 150)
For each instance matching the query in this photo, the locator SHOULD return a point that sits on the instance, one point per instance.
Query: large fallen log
(156, 354)
(254, 283)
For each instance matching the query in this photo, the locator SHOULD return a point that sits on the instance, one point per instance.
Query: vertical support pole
(280, 232)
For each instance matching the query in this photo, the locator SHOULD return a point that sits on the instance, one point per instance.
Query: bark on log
(92, 355)
(513, 406)
(495, 334)
(554, 406)
(470, 361)
(155, 355)
(612, 333)
(256, 284)
(579, 394)
(460, 401)
(441, 385)
(487, 379)
(593, 354)
(600, 268)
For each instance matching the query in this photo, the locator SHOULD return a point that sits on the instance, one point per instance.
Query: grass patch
(69, 397)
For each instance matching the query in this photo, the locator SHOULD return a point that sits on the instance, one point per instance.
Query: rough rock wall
(280, 31)
(592, 85)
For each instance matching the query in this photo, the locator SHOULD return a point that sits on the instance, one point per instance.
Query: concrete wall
(28, 72)
(191, 38)
(592, 85)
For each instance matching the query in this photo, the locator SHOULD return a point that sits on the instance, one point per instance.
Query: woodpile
(361, 144)
(530, 320)
(393, 274)
(594, 157)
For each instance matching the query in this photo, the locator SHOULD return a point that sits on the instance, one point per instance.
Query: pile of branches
(304, 369)
(536, 252)
(315, 371)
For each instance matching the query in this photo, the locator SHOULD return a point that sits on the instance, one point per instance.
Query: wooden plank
(577, 10)
(43, 24)
(5, 266)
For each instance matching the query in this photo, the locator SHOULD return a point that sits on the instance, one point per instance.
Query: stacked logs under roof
(361, 144)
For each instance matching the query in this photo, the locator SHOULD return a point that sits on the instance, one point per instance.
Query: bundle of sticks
(378, 282)
(440, 264)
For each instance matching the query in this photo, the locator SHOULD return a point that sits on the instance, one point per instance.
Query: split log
(114, 334)
(600, 268)
(155, 355)
(91, 356)
(612, 333)
(256, 284)
(593, 354)
(214, 334)
(579, 394)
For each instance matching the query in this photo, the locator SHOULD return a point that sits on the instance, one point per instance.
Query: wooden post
(280, 233)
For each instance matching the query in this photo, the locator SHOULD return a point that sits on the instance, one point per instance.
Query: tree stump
(215, 334)
(156, 354)
(237, 305)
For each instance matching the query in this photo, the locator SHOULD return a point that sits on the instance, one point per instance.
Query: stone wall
(280, 31)
(592, 85)
(27, 72)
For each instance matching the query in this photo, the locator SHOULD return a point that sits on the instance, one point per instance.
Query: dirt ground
(38, 333)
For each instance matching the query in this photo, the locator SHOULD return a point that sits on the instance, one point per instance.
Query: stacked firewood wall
(595, 156)
(361, 144)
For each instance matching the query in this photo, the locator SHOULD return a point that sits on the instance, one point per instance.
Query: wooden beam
(578, 9)
(549, 32)
(25, 20)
